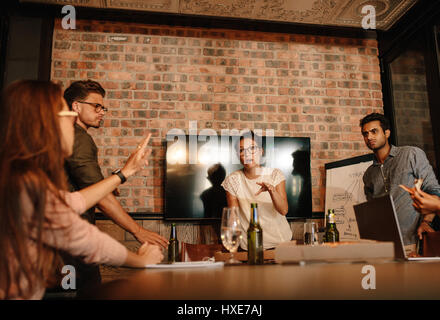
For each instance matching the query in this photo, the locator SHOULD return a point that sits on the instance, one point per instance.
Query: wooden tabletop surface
(393, 280)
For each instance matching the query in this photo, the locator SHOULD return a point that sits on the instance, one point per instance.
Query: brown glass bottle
(331, 231)
(255, 238)
(173, 247)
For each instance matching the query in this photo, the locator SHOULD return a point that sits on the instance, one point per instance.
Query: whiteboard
(345, 188)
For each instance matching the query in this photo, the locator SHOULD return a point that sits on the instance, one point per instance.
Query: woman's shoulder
(276, 175)
(271, 171)
(235, 174)
(276, 171)
(232, 182)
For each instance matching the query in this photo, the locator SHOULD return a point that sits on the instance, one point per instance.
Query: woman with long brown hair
(38, 217)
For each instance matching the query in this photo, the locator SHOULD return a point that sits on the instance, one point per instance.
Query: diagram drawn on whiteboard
(345, 188)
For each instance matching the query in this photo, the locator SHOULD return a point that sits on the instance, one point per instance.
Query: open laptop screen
(377, 220)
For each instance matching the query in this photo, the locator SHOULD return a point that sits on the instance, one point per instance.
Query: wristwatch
(120, 175)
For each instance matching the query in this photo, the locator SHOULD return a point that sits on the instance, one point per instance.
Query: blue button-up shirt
(402, 166)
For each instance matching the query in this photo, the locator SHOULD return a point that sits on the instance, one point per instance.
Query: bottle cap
(254, 205)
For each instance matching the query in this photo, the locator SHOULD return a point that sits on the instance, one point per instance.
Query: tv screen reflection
(197, 165)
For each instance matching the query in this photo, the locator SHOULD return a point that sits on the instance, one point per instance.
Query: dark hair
(79, 90)
(32, 163)
(216, 174)
(384, 123)
(249, 135)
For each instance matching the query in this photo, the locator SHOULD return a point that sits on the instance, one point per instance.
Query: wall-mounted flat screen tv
(196, 165)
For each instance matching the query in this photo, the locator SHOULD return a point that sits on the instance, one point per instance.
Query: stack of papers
(190, 264)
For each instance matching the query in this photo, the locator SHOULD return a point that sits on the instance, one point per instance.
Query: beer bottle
(255, 238)
(331, 232)
(173, 247)
(330, 211)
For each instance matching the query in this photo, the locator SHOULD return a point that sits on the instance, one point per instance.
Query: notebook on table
(189, 264)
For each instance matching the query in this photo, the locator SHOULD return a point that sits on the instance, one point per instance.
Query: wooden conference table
(394, 280)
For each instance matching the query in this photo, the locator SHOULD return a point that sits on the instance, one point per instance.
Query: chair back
(198, 252)
(431, 244)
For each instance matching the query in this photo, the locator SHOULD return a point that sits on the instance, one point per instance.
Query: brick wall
(161, 77)
(411, 105)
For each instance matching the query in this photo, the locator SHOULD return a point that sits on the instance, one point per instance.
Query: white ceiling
(346, 13)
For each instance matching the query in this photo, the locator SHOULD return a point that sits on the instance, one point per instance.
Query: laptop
(377, 220)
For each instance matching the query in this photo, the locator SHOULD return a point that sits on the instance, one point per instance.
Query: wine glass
(231, 231)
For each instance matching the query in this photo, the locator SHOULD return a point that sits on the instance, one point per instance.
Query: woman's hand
(265, 187)
(138, 159)
(424, 203)
(96, 192)
(147, 254)
(407, 189)
(277, 194)
(150, 253)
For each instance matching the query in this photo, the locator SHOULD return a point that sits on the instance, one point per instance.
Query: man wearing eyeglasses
(86, 98)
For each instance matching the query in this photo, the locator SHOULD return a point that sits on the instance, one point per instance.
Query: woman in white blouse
(262, 185)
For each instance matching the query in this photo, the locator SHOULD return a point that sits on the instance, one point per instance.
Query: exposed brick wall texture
(161, 77)
(411, 105)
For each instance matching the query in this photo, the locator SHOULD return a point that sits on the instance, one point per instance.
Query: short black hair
(384, 122)
(79, 90)
(216, 173)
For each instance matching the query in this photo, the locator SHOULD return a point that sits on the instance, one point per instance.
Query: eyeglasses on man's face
(98, 107)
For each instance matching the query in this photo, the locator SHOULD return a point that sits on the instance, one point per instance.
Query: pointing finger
(145, 142)
(406, 188)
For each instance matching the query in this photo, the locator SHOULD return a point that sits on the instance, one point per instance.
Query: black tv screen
(196, 165)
